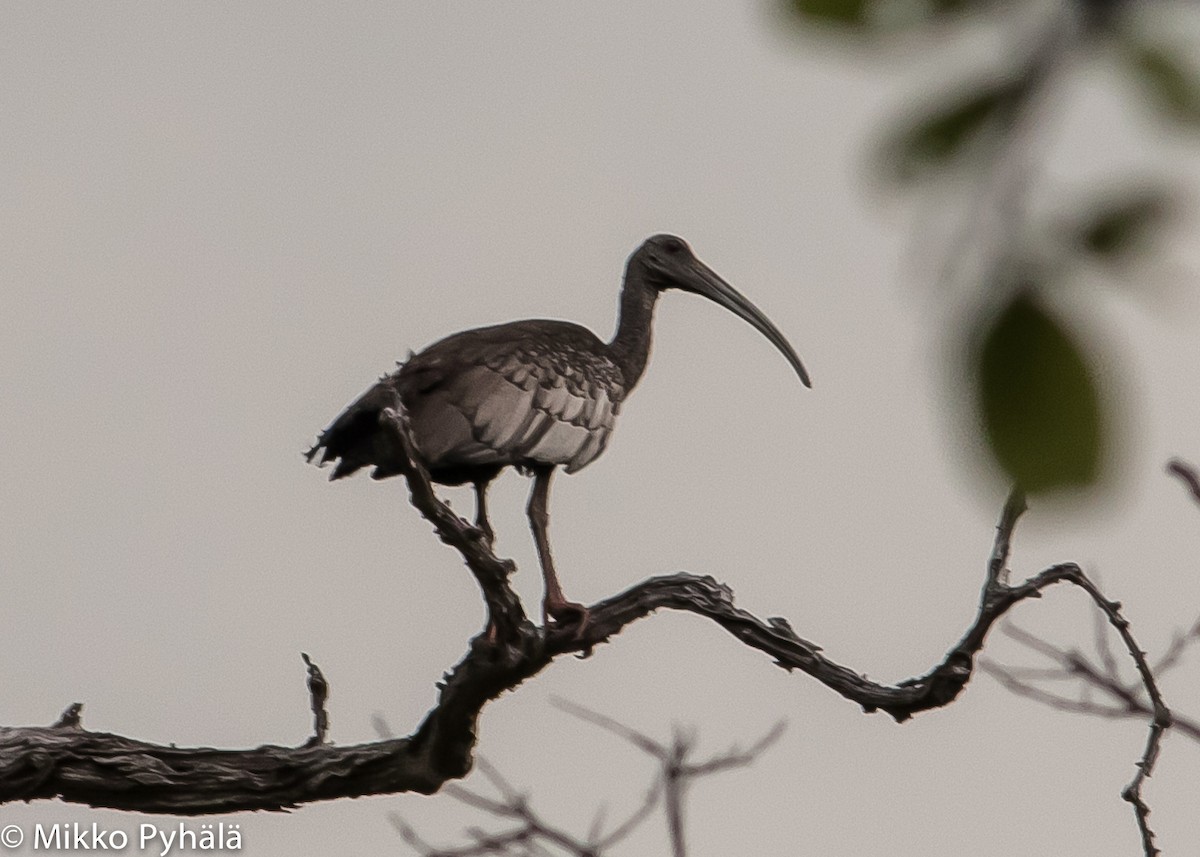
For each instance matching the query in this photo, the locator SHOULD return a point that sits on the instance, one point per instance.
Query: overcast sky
(221, 222)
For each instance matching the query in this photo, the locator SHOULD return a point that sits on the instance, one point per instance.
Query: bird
(534, 395)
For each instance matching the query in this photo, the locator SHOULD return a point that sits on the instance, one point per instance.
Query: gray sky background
(222, 222)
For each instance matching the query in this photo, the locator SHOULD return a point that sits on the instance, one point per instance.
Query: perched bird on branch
(535, 395)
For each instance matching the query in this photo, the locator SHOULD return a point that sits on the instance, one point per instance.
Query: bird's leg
(555, 606)
(481, 518)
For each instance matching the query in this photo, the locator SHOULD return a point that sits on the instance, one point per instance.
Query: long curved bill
(703, 280)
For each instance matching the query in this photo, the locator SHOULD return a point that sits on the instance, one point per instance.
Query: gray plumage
(524, 393)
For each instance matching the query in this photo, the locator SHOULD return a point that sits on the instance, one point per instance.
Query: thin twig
(533, 830)
(677, 771)
(1053, 700)
(601, 842)
(1180, 643)
(71, 718)
(643, 742)
(318, 693)
(1072, 666)
(1014, 507)
(1101, 640)
(1187, 474)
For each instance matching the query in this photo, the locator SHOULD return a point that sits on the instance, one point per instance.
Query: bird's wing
(547, 396)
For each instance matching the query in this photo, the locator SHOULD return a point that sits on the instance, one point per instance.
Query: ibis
(535, 395)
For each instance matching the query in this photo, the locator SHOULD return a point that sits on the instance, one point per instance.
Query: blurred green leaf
(876, 15)
(1038, 397)
(833, 11)
(1123, 223)
(1170, 82)
(934, 140)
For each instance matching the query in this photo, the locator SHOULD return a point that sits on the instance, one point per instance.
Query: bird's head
(668, 262)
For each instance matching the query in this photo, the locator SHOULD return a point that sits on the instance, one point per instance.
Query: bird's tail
(351, 439)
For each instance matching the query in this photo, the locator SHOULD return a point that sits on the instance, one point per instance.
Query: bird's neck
(631, 344)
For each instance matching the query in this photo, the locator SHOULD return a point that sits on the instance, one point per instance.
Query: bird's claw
(564, 615)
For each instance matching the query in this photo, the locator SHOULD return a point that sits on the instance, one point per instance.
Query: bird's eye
(673, 246)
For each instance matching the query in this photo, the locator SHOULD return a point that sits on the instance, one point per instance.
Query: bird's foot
(565, 615)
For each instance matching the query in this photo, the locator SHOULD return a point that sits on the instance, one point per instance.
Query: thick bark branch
(105, 770)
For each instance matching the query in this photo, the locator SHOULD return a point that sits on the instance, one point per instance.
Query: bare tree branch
(1138, 699)
(105, 770)
(1128, 700)
(1160, 722)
